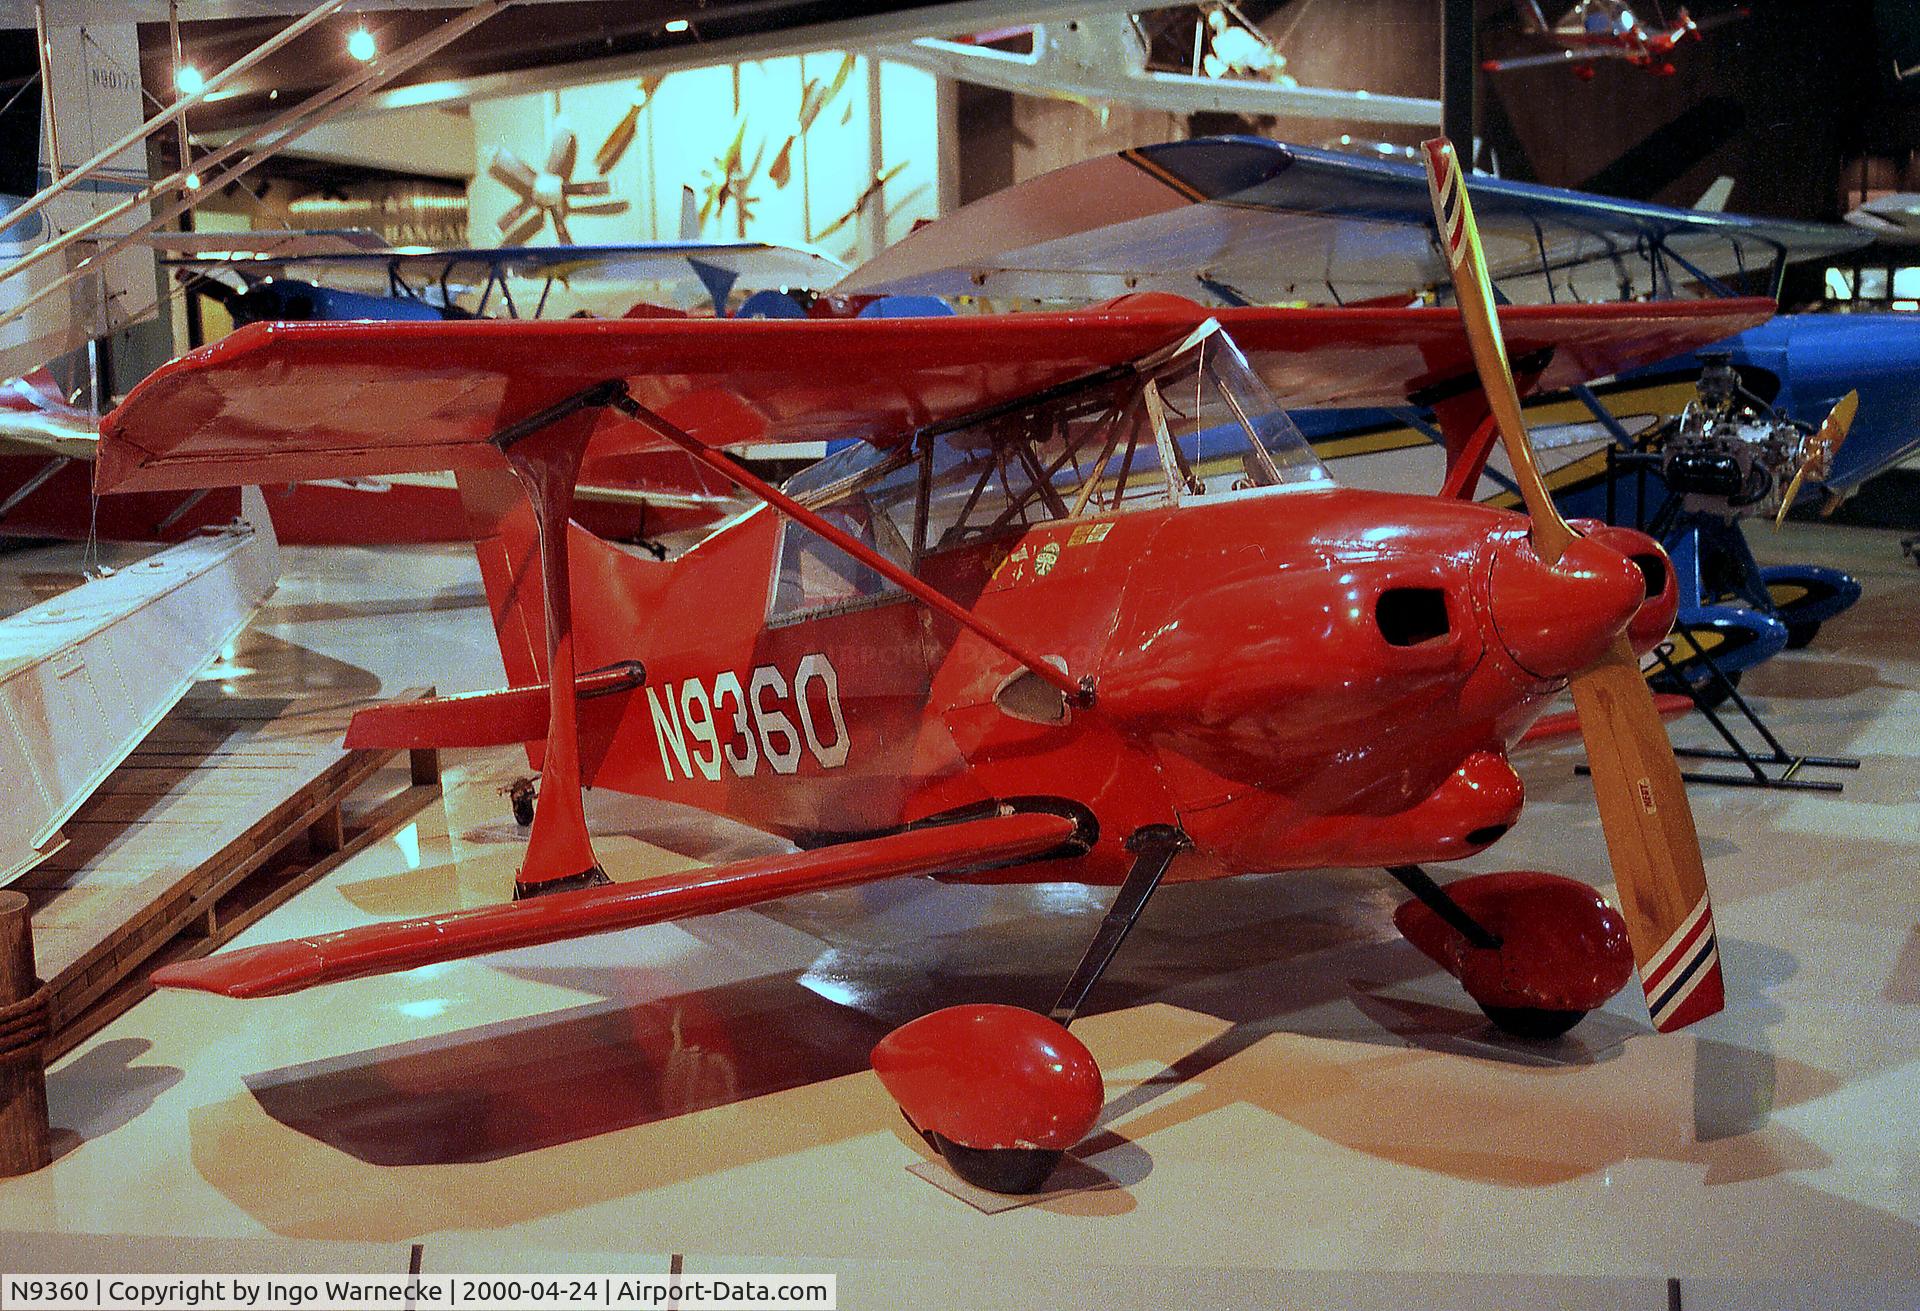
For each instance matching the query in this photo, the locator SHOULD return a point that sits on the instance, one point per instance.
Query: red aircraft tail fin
(508, 548)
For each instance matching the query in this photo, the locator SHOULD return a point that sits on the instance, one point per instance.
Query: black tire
(1800, 632)
(1532, 1023)
(1013, 1170)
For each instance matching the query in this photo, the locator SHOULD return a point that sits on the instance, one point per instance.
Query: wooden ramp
(226, 810)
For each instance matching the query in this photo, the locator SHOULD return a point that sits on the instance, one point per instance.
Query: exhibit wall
(827, 150)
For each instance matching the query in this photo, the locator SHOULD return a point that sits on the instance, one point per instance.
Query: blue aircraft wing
(448, 277)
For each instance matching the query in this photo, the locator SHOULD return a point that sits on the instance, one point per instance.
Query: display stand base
(1758, 764)
(1073, 1176)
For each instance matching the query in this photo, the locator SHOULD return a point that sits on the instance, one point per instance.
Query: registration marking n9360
(767, 717)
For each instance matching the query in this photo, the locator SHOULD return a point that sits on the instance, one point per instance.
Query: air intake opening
(1409, 616)
(1653, 568)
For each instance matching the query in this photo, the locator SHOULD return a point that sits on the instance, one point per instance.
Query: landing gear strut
(1153, 848)
(1000, 1092)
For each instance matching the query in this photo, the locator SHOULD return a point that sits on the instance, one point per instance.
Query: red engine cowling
(1654, 620)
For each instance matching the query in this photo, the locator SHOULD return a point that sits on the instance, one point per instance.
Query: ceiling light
(361, 45)
(678, 25)
(187, 78)
(193, 182)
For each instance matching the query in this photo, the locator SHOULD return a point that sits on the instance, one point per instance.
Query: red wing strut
(282, 967)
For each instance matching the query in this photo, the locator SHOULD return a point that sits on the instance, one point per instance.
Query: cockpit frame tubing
(1078, 691)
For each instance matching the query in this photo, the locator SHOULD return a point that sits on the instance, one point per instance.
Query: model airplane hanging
(1103, 58)
(1078, 604)
(1609, 29)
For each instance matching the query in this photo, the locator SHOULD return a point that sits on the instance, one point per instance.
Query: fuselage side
(1297, 676)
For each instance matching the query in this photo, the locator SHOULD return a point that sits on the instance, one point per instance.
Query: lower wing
(282, 967)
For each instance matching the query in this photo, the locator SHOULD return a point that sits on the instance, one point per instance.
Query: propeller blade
(562, 149)
(599, 207)
(560, 227)
(590, 187)
(1644, 812)
(1819, 450)
(1651, 840)
(511, 219)
(781, 170)
(614, 148)
(511, 172)
(1473, 291)
(529, 228)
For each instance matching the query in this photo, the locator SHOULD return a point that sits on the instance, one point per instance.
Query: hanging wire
(31, 80)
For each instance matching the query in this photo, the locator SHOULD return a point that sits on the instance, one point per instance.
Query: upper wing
(286, 402)
(1250, 221)
(282, 967)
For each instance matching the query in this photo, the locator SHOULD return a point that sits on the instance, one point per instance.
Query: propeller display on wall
(548, 193)
(815, 96)
(727, 181)
(614, 148)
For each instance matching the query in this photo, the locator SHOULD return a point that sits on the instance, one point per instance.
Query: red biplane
(1608, 29)
(1080, 604)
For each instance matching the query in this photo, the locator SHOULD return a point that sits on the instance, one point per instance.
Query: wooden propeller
(1817, 453)
(1643, 802)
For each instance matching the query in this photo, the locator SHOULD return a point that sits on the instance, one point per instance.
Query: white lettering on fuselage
(701, 726)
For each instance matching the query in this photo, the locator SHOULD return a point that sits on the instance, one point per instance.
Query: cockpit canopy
(1191, 422)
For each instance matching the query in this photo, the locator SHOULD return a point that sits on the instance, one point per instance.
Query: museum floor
(1301, 1110)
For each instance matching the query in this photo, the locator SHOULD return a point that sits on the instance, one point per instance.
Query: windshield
(1189, 423)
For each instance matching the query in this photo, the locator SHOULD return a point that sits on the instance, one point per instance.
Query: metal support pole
(46, 98)
(34, 483)
(1153, 848)
(62, 182)
(1458, 77)
(1436, 899)
(180, 122)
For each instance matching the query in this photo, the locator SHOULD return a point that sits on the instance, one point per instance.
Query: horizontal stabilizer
(282, 967)
(502, 717)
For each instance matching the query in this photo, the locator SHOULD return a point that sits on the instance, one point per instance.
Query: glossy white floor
(1300, 1109)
